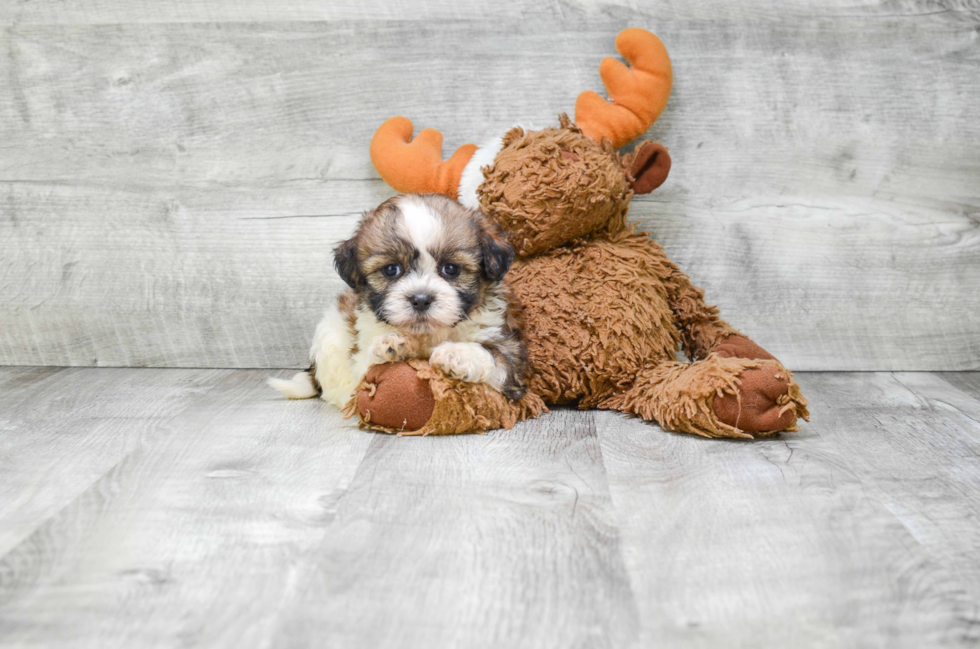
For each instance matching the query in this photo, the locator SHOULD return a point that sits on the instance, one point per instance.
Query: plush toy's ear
(498, 255)
(650, 166)
(346, 262)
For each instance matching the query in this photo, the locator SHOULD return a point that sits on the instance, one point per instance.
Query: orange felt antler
(416, 165)
(638, 93)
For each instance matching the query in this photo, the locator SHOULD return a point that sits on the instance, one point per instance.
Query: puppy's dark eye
(450, 270)
(391, 270)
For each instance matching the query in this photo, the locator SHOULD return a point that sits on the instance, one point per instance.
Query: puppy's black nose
(421, 302)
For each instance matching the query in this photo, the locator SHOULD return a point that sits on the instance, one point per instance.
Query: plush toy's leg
(716, 397)
(412, 398)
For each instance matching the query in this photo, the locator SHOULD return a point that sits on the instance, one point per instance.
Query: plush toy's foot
(412, 398)
(395, 397)
(767, 401)
(716, 397)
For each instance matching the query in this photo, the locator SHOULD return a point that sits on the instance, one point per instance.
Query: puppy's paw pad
(389, 348)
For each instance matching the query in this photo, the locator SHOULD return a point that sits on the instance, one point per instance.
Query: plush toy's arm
(702, 329)
(412, 398)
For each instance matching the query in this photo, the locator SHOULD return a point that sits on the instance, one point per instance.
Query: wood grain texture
(500, 540)
(61, 430)
(191, 539)
(968, 382)
(211, 11)
(197, 278)
(196, 508)
(73, 12)
(855, 532)
(159, 163)
(918, 452)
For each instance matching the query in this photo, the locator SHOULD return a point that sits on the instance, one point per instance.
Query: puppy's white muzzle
(422, 301)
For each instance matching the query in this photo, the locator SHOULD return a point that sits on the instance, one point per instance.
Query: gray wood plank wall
(173, 175)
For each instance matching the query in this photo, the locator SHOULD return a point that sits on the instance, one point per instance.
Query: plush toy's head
(549, 186)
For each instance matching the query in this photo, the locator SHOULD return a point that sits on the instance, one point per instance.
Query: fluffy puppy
(425, 277)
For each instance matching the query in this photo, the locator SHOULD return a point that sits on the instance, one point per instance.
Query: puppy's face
(423, 262)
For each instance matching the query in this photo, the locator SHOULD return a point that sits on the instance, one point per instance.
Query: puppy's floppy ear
(497, 254)
(346, 262)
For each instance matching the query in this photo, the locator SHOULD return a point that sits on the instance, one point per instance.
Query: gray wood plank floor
(193, 508)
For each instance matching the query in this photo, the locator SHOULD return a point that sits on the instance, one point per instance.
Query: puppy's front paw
(469, 362)
(389, 348)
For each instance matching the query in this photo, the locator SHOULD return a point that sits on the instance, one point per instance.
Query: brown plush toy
(605, 308)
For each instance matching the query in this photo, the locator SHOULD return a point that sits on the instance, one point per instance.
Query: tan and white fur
(425, 276)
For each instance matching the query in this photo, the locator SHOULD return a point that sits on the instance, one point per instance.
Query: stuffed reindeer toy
(604, 308)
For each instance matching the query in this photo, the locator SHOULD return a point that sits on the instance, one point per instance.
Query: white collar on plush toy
(472, 176)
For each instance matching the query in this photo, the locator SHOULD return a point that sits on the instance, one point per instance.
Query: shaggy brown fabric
(682, 396)
(679, 395)
(605, 308)
(548, 187)
(700, 325)
(598, 310)
(595, 312)
(458, 407)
